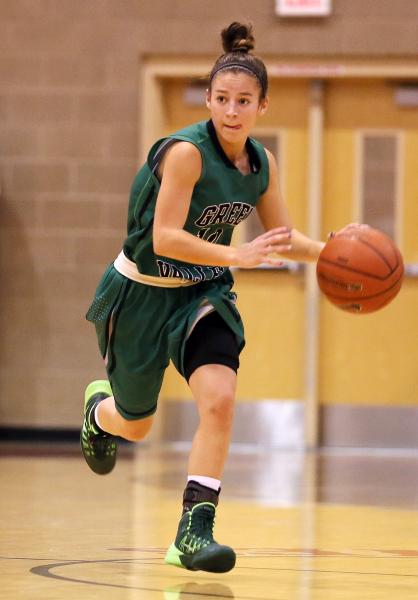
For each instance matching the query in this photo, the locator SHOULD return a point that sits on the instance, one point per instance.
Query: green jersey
(222, 198)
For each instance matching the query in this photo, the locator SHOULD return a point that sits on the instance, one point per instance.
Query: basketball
(360, 270)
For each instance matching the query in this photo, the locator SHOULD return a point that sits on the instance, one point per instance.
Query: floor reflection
(191, 590)
(288, 478)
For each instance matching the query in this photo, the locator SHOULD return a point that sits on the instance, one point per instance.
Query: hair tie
(243, 48)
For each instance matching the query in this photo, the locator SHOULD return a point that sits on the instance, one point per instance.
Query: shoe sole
(221, 560)
(100, 386)
(97, 466)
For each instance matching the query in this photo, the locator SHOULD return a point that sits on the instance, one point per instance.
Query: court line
(329, 572)
(45, 571)
(292, 553)
(151, 561)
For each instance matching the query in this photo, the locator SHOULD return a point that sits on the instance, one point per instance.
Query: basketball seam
(382, 256)
(352, 270)
(360, 298)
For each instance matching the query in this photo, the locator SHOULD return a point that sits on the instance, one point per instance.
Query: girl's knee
(220, 406)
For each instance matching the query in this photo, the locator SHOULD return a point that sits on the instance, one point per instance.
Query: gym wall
(70, 105)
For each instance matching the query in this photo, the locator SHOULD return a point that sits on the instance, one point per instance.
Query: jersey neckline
(253, 157)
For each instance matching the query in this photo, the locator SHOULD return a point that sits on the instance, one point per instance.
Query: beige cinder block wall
(69, 100)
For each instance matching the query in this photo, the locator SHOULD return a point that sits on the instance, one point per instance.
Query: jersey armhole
(159, 154)
(265, 164)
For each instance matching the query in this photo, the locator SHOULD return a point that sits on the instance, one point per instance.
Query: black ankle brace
(196, 492)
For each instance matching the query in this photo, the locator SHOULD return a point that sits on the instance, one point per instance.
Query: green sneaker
(194, 547)
(99, 448)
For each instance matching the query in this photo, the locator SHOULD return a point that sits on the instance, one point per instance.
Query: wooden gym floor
(316, 526)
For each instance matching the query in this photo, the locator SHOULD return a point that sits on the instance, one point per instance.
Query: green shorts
(141, 327)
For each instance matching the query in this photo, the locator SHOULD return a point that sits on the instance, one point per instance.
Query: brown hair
(237, 42)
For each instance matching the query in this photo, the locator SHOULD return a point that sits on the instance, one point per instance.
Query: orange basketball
(361, 270)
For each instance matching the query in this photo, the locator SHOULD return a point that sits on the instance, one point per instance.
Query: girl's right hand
(259, 250)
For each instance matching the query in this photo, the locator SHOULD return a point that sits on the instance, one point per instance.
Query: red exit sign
(303, 8)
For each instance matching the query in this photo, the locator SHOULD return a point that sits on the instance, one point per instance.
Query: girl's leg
(111, 421)
(101, 423)
(213, 387)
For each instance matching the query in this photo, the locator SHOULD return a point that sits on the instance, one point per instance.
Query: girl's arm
(273, 213)
(181, 170)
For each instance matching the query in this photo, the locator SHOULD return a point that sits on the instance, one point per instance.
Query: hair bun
(237, 38)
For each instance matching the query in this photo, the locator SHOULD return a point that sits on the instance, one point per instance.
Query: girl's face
(234, 104)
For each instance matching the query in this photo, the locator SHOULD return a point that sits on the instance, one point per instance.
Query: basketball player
(168, 293)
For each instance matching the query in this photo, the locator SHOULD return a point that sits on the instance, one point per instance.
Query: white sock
(96, 416)
(210, 482)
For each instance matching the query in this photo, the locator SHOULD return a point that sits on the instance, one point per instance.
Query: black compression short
(211, 342)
